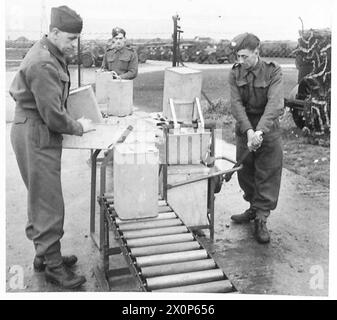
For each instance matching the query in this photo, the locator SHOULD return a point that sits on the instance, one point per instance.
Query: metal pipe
(161, 216)
(172, 238)
(93, 190)
(204, 177)
(184, 279)
(150, 224)
(167, 258)
(295, 101)
(181, 267)
(154, 232)
(211, 207)
(165, 248)
(222, 286)
(79, 61)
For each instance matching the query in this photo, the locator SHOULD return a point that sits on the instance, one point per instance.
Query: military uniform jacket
(124, 62)
(257, 97)
(41, 86)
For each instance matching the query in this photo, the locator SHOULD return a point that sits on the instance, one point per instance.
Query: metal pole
(79, 60)
(174, 57)
(204, 177)
(93, 190)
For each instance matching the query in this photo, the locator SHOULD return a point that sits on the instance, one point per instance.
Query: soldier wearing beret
(40, 89)
(257, 102)
(120, 58)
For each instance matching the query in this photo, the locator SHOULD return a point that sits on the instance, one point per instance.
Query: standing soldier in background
(257, 102)
(40, 89)
(120, 58)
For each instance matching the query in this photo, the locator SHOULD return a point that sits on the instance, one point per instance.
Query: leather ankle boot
(261, 232)
(39, 263)
(63, 277)
(245, 217)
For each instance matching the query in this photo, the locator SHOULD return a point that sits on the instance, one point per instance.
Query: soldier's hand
(86, 124)
(254, 140)
(115, 75)
(257, 139)
(250, 134)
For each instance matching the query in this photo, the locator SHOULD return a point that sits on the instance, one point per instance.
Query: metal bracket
(176, 125)
(201, 126)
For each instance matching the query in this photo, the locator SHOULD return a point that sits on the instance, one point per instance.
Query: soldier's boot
(39, 263)
(261, 232)
(247, 216)
(62, 276)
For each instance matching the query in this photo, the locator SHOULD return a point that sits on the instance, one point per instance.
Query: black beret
(245, 41)
(117, 30)
(66, 20)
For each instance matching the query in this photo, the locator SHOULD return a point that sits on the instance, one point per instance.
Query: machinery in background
(310, 99)
(92, 52)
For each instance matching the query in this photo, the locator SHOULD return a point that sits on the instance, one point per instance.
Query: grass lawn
(311, 161)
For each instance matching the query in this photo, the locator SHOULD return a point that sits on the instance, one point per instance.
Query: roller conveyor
(162, 253)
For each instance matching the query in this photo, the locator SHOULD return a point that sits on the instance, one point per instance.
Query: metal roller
(154, 232)
(164, 209)
(167, 258)
(165, 248)
(162, 203)
(181, 267)
(150, 224)
(222, 286)
(151, 241)
(161, 216)
(184, 279)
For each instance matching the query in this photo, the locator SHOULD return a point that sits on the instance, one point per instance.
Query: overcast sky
(219, 19)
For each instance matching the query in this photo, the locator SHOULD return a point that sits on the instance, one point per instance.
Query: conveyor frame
(107, 216)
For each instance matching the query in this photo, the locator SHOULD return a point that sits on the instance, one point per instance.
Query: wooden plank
(187, 147)
(183, 149)
(102, 138)
(107, 133)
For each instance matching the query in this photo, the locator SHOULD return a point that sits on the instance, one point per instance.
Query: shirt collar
(53, 50)
(255, 70)
(119, 50)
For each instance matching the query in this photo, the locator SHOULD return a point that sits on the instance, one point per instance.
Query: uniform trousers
(38, 152)
(260, 177)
